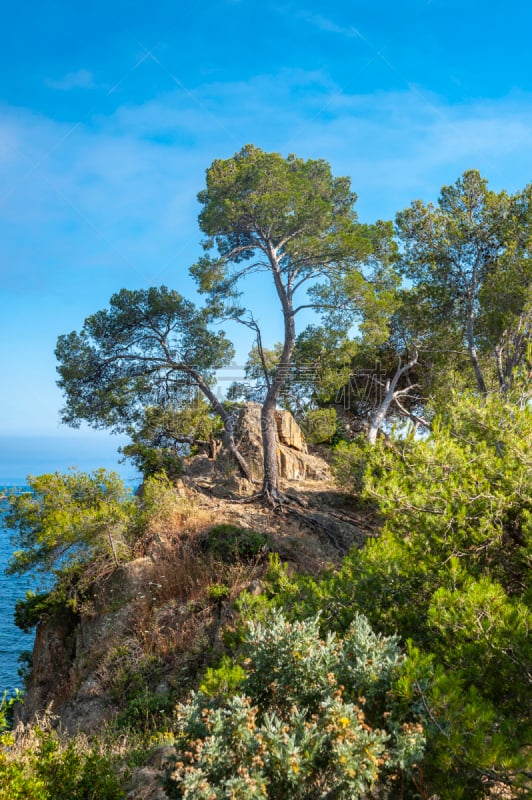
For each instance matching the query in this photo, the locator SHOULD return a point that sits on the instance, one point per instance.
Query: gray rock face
(146, 783)
(53, 653)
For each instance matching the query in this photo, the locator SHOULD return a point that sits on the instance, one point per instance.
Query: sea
(13, 642)
(20, 457)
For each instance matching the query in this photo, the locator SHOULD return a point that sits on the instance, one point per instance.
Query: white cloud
(117, 193)
(327, 25)
(87, 208)
(82, 79)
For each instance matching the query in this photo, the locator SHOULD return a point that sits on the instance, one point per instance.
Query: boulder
(294, 461)
(288, 431)
(146, 785)
(248, 437)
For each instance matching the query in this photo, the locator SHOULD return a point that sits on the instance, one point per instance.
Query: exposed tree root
(317, 526)
(273, 498)
(281, 503)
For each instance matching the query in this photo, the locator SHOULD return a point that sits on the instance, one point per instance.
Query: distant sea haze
(23, 455)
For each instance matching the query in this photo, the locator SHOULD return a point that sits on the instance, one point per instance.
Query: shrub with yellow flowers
(313, 717)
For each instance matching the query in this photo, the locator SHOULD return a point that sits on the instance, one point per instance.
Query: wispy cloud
(135, 173)
(115, 196)
(82, 79)
(327, 25)
(110, 201)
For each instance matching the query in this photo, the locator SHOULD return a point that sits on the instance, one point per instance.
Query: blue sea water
(21, 456)
(12, 640)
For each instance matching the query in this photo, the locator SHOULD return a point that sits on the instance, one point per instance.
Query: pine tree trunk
(229, 442)
(473, 355)
(270, 486)
(380, 415)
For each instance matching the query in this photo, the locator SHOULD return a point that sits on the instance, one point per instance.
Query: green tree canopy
(67, 519)
(168, 434)
(463, 317)
(469, 262)
(150, 347)
(292, 219)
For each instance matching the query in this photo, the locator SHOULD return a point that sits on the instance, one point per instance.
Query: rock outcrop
(294, 460)
(71, 649)
(289, 433)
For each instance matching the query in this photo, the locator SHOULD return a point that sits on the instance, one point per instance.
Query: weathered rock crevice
(294, 461)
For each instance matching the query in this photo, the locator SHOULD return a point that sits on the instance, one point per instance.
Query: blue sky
(111, 112)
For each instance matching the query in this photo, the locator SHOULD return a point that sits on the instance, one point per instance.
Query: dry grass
(174, 617)
(27, 738)
(183, 516)
(178, 614)
(171, 513)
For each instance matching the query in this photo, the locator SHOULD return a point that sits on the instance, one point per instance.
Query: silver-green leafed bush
(315, 717)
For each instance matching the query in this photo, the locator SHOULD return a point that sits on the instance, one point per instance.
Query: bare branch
(411, 415)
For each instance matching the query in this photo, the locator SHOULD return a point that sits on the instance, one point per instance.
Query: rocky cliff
(147, 628)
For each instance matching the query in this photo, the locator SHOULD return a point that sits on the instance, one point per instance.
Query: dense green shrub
(7, 702)
(472, 697)
(350, 464)
(224, 680)
(219, 591)
(320, 425)
(450, 571)
(36, 606)
(465, 490)
(143, 710)
(314, 717)
(60, 601)
(230, 543)
(151, 460)
(51, 771)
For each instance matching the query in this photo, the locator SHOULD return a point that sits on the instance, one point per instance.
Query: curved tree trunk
(270, 485)
(380, 414)
(473, 355)
(229, 442)
(228, 434)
